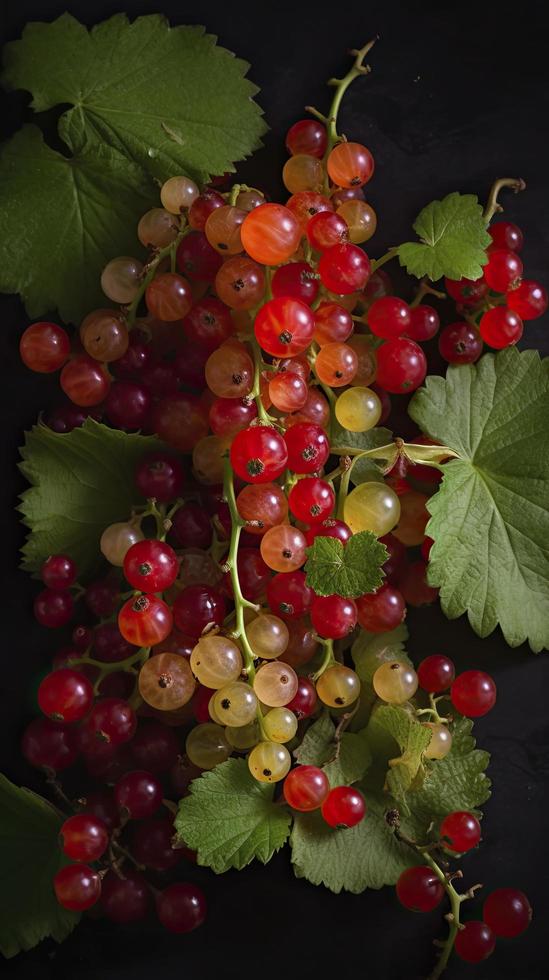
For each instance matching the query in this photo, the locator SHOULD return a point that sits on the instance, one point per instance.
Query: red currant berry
(152, 844)
(307, 136)
(436, 673)
(330, 528)
(507, 912)
(460, 831)
(259, 454)
(198, 606)
(53, 608)
(344, 268)
(284, 326)
(44, 347)
(151, 566)
(505, 234)
(308, 447)
(500, 327)
(181, 907)
(460, 343)
(161, 476)
(382, 610)
(473, 693)
(208, 324)
(197, 259)
(230, 415)
(333, 616)
(475, 942)
(49, 745)
(389, 317)
(145, 620)
(326, 228)
(77, 887)
(424, 323)
(140, 793)
(529, 299)
(84, 837)
(58, 572)
(191, 527)
(305, 788)
(111, 720)
(311, 500)
(66, 695)
(344, 807)
(401, 365)
(419, 889)
(296, 279)
(126, 899)
(305, 700)
(503, 269)
(396, 562)
(288, 594)
(468, 292)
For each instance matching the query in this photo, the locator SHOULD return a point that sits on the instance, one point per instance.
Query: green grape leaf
(453, 239)
(343, 440)
(82, 481)
(457, 782)
(318, 748)
(29, 858)
(369, 651)
(168, 98)
(489, 518)
(230, 819)
(59, 224)
(350, 859)
(405, 771)
(347, 570)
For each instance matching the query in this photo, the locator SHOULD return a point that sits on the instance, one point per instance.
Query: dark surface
(458, 96)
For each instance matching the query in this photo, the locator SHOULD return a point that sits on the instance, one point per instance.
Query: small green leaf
(167, 98)
(347, 570)
(82, 481)
(350, 859)
(457, 782)
(29, 858)
(490, 519)
(406, 770)
(453, 240)
(230, 819)
(71, 229)
(318, 748)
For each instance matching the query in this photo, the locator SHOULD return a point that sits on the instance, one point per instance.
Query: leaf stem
(426, 289)
(390, 254)
(341, 85)
(150, 272)
(492, 204)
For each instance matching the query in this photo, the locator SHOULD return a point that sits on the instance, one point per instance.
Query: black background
(459, 95)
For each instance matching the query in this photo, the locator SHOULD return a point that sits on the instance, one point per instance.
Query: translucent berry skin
(311, 500)
(181, 907)
(308, 447)
(127, 405)
(84, 837)
(196, 607)
(111, 720)
(53, 608)
(145, 620)
(270, 234)
(288, 391)
(77, 887)
(262, 506)
(296, 279)
(196, 258)
(344, 807)
(344, 268)
(44, 347)
(208, 324)
(333, 616)
(401, 366)
(203, 206)
(258, 454)
(389, 317)
(288, 594)
(66, 695)
(284, 327)
(305, 700)
(382, 610)
(336, 364)
(191, 527)
(160, 475)
(126, 899)
(503, 268)
(460, 343)
(468, 292)
(436, 673)
(424, 323)
(475, 942)
(307, 136)
(350, 165)
(84, 381)
(305, 204)
(333, 324)
(505, 234)
(49, 744)
(305, 788)
(329, 528)
(140, 793)
(419, 889)
(460, 831)
(529, 299)
(500, 327)
(473, 693)
(151, 566)
(507, 912)
(326, 228)
(58, 572)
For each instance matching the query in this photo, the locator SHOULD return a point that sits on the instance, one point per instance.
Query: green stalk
(151, 267)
